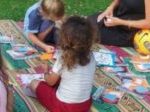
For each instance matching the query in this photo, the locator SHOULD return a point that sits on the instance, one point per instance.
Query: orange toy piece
(46, 56)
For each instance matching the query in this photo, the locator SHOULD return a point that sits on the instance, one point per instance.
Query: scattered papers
(22, 48)
(5, 39)
(140, 64)
(98, 93)
(114, 69)
(20, 56)
(145, 67)
(104, 57)
(107, 95)
(135, 85)
(111, 96)
(21, 51)
(142, 90)
(25, 79)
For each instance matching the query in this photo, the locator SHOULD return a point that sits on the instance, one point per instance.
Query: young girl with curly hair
(74, 70)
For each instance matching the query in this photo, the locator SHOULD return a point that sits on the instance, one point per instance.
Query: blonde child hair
(53, 8)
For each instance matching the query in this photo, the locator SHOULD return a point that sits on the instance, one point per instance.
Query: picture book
(135, 85)
(141, 64)
(111, 96)
(97, 94)
(21, 51)
(114, 69)
(105, 58)
(107, 95)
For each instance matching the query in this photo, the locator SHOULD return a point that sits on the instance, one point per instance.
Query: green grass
(15, 9)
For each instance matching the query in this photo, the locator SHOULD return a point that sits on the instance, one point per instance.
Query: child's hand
(49, 49)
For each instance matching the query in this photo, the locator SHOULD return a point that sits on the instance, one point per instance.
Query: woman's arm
(109, 10)
(113, 5)
(141, 24)
(145, 23)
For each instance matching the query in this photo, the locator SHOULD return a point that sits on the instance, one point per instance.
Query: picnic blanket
(128, 102)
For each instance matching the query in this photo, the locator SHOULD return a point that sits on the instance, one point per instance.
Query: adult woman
(121, 20)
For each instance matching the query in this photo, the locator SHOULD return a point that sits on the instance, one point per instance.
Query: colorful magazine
(21, 52)
(105, 58)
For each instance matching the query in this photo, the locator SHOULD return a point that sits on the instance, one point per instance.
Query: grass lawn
(15, 9)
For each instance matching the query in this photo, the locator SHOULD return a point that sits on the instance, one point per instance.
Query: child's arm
(43, 34)
(52, 78)
(53, 75)
(39, 43)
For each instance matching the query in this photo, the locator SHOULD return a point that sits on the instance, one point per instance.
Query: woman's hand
(112, 21)
(107, 12)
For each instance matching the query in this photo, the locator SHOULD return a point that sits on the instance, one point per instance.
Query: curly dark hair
(76, 38)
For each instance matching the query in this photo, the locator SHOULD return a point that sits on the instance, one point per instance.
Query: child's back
(76, 84)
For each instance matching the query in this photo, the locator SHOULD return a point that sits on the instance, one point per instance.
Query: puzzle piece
(46, 56)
